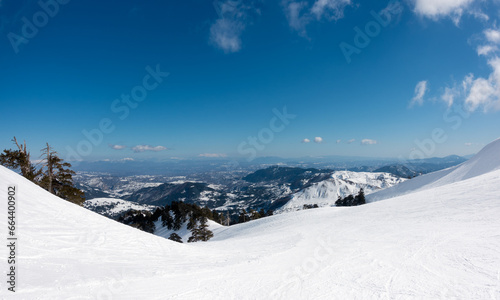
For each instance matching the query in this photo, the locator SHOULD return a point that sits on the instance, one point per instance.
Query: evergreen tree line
(173, 216)
(351, 200)
(310, 206)
(252, 214)
(176, 214)
(52, 174)
(142, 220)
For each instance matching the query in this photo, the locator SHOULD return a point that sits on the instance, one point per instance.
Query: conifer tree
(167, 219)
(20, 160)
(361, 197)
(175, 237)
(201, 232)
(58, 178)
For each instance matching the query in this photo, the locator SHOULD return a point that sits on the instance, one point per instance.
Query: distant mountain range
(279, 188)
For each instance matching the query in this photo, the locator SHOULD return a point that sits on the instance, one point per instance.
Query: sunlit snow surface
(441, 241)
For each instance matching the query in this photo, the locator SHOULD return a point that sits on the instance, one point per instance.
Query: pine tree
(201, 232)
(339, 201)
(175, 237)
(242, 218)
(20, 160)
(361, 197)
(49, 164)
(58, 178)
(254, 215)
(167, 219)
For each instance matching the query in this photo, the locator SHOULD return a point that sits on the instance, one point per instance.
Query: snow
(341, 183)
(438, 241)
(183, 232)
(487, 160)
(113, 207)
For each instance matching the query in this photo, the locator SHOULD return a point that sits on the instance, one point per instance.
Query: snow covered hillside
(341, 183)
(111, 207)
(439, 242)
(487, 160)
(183, 233)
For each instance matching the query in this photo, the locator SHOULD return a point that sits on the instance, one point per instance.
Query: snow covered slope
(184, 233)
(111, 207)
(341, 183)
(438, 243)
(487, 160)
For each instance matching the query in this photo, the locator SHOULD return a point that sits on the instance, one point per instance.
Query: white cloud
(299, 13)
(213, 155)
(477, 93)
(492, 35)
(297, 16)
(339, 141)
(436, 9)
(486, 50)
(117, 147)
(484, 92)
(306, 141)
(331, 9)
(420, 91)
(127, 159)
(318, 140)
(143, 148)
(351, 141)
(226, 31)
(468, 144)
(225, 34)
(449, 95)
(368, 142)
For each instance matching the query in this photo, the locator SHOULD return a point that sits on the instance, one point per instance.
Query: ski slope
(441, 241)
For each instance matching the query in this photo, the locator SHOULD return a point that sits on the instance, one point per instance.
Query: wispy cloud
(330, 9)
(117, 147)
(318, 140)
(143, 148)
(306, 141)
(468, 144)
(369, 142)
(127, 159)
(449, 95)
(484, 92)
(234, 17)
(454, 9)
(213, 155)
(297, 15)
(339, 141)
(492, 35)
(351, 141)
(300, 13)
(477, 93)
(420, 91)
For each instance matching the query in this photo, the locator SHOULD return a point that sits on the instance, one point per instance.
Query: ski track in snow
(432, 239)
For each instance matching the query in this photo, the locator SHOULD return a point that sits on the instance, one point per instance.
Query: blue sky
(424, 82)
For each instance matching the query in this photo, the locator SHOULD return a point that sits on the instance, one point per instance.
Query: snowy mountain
(433, 237)
(112, 208)
(277, 188)
(98, 185)
(189, 192)
(487, 160)
(340, 183)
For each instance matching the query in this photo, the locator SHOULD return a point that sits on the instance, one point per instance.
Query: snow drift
(439, 241)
